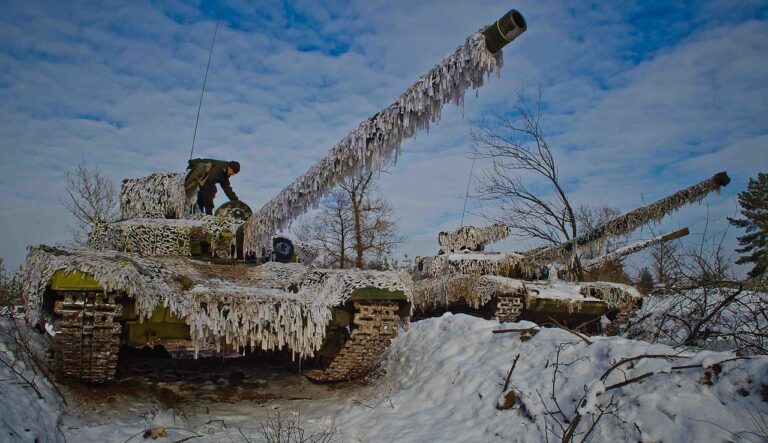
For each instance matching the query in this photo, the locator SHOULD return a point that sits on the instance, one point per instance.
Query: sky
(640, 99)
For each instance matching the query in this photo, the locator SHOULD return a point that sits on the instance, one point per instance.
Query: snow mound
(445, 375)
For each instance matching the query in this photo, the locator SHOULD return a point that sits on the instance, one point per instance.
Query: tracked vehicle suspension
(87, 337)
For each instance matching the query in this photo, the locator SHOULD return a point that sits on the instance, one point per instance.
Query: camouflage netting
(161, 193)
(481, 264)
(633, 220)
(472, 238)
(268, 307)
(633, 248)
(615, 295)
(472, 289)
(379, 138)
(160, 236)
(306, 253)
(476, 291)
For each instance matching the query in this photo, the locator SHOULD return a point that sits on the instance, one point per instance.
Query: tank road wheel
(373, 327)
(88, 337)
(510, 307)
(622, 320)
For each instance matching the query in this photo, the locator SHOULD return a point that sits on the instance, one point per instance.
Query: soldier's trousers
(205, 196)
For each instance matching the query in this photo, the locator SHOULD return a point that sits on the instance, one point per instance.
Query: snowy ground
(442, 381)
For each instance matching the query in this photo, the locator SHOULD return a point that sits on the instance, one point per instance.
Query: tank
(525, 285)
(510, 287)
(185, 284)
(165, 275)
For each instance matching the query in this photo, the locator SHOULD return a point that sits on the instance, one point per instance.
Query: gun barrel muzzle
(504, 30)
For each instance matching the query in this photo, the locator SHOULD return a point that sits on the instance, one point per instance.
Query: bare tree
(287, 427)
(516, 145)
(703, 304)
(375, 232)
(665, 263)
(589, 217)
(331, 229)
(91, 198)
(10, 286)
(355, 225)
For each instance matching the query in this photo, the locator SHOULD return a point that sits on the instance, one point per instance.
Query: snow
(557, 290)
(446, 373)
(590, 403)
(24, 415)
(441, 381)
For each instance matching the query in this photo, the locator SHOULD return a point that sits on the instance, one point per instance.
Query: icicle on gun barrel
(380, 137)
(626, 223)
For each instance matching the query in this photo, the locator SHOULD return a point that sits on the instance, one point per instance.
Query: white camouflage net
(474, 290)
(633, 248)
(632, 220)
(379, 138)
(480, 264)
(160, 236)
(270, 307)
(159, 194)
(478, 290)
(307, 253)
(472, 238)
(615, 295)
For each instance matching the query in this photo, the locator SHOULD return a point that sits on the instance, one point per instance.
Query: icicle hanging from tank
(272, 306)
(380, 138)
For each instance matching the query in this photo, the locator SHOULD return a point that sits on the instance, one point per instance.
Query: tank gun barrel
(380, 137)
(626, 223)
(504, 30)
(635, 247)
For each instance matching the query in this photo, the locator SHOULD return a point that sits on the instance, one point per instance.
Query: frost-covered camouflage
(163, 257)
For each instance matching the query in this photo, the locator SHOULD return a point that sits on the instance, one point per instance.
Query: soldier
(206, 173)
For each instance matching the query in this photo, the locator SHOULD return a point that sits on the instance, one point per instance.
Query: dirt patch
(178, 383)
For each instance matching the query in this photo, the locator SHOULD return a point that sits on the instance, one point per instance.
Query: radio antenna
(202, 92)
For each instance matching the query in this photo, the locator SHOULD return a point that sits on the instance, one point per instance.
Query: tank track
(88, 339)
(374, 326)
(510, 307)
(621, 322)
